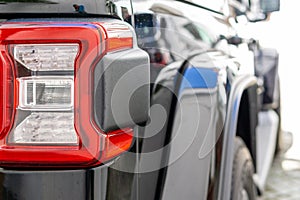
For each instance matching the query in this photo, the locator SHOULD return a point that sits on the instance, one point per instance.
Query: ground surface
(284, 178)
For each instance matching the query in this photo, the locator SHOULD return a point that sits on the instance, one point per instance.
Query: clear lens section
(45, 109)
(46, 93)
(47, 57)
(52, 128)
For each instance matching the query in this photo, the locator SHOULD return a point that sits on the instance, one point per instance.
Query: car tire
(242, 184)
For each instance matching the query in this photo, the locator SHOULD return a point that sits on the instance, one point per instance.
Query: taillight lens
(50, 57)
(47, 94)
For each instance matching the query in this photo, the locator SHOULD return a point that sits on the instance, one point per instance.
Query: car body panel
(185, 150)
(51, 184)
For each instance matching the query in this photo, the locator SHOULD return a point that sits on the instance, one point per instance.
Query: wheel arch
(248, 119)
(243, 92)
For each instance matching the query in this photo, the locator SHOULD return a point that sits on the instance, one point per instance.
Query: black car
(134, 100)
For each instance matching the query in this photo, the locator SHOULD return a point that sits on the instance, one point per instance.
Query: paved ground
(284, 178)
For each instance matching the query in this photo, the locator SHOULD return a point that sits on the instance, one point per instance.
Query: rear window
(111, 7)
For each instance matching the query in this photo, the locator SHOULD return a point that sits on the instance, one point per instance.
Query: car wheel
(242, 187)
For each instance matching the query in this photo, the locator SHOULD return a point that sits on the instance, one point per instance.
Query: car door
(180, 147)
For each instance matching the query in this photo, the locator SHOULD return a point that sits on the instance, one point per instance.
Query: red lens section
(6, 94)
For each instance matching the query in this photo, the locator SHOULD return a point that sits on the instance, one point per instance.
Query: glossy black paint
(61, 7)
(151, 180)
(49, 185)
(181, 51)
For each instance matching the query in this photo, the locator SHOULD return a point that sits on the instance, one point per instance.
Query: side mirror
(234, 40)
(268, 6)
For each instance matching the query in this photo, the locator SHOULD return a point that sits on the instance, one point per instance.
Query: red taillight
(6, 86)
(47, 94)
